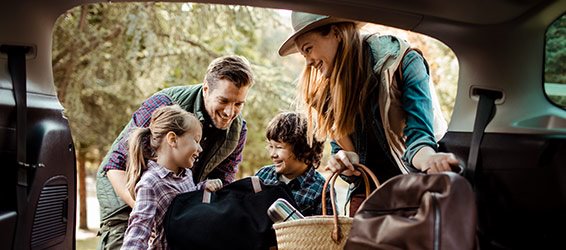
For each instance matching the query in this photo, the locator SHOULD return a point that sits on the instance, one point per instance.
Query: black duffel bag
(234, 217)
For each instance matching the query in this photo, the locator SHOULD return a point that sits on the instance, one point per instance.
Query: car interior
(505, 126)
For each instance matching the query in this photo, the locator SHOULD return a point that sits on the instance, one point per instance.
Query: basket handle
(336, 233)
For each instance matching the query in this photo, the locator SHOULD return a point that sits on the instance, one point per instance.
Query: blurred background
(108, 58)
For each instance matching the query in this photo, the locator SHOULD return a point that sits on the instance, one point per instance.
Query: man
(217, 103)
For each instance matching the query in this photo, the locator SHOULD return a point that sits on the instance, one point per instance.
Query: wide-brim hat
(305, 22)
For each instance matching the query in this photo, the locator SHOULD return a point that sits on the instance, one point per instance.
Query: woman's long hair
(333, 103)
(144, 142)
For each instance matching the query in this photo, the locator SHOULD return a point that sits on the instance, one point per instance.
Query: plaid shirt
(226, 170)
(306, 189)
(154, 193)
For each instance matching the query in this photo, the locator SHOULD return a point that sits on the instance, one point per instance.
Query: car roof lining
(393, 13)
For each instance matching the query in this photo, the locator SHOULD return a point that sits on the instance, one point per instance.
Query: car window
(555, 62)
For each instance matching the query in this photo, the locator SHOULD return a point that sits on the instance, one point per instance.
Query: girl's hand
(342, 162)
(213, 185)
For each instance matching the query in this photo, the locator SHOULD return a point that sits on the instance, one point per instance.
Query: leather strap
(337, 235)
(256, 184)
(206, 196)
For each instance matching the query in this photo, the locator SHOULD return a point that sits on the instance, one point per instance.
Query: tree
(107, 58)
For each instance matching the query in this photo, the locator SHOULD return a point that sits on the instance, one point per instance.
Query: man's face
(224, 102)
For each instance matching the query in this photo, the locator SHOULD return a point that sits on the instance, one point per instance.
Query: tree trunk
(82, 189)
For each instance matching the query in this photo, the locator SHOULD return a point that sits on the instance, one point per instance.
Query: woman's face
(319, 50)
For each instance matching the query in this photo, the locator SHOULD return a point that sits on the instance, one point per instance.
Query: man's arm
(227, 169)
(118, 180)
(116, 166)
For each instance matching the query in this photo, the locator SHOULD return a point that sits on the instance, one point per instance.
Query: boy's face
(286, 163)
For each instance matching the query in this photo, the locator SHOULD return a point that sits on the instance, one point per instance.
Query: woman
(376, 115)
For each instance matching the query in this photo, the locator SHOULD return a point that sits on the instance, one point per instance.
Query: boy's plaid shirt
(306, 189)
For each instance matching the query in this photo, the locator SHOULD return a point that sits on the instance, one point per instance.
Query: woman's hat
(303, 23)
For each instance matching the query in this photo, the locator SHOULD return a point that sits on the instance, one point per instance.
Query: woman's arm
(416, 98)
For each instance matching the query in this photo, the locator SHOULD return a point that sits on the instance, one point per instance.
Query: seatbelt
(484, 114)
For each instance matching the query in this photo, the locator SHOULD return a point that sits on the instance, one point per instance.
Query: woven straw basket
(320, 232)
(312, 232)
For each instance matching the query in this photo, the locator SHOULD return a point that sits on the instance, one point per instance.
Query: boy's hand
(213, 185)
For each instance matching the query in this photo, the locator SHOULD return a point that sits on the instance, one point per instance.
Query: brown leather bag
(417, 211)
(355, 202)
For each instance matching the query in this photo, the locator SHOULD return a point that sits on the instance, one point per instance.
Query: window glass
(555, 62)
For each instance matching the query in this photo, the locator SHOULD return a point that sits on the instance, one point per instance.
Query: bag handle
(336, 233)
(256, 185)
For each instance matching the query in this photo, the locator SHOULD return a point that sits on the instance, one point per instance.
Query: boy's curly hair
(291, 128)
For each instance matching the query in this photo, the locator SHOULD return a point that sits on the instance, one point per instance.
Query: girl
(173, 137)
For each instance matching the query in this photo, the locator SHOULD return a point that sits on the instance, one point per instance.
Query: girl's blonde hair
(333, 103)
(144, 142)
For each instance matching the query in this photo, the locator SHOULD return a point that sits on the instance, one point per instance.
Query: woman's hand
(429, 161)
(213, 185)
(342, 162)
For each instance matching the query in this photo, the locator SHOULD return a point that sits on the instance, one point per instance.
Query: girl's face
(286, 163)
(319, 50)
(187, 149)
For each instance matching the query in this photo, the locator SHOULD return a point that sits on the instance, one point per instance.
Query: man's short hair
(233, 68)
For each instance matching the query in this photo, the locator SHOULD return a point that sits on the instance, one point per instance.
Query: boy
(295, 162)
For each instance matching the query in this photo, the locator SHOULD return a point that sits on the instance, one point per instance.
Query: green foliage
(555, 57)
(555, 62)
(108, 58)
